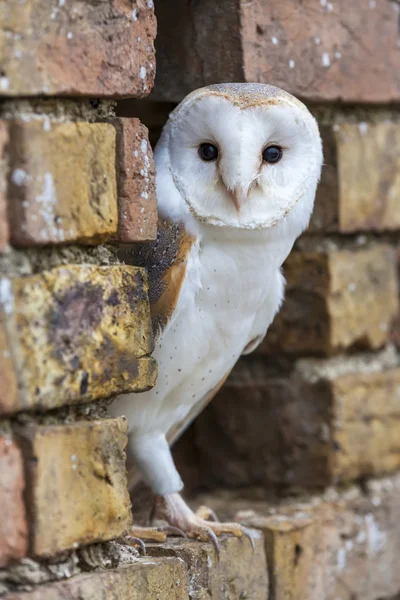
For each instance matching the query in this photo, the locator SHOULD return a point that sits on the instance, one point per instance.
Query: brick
(291, 544)
(4, 233)
(240, 572)
(163, 579)
(62, 182)
(77, 48)
(354, 547)
(13, 528)
(318, 51)
(335, 300)
(8, 377)
(361, 182)
(76, 483)
(137, 202)
(320, 423)
(76, 333)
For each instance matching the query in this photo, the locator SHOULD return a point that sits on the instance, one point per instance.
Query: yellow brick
(361, 181)
(62, 182)
(291, 544)
(240, 572)
(306, 428)
(353, 545)
(336, 299)
(76, 483)
(155, 579)
(77, 333)
(366, 424)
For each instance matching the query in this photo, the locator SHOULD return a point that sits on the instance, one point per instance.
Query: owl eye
(272, 154)
(208, 152)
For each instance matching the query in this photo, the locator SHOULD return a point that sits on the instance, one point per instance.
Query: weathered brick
(163, 579)
(320, 423)
(8, 378)
(13, 527)
(4, 233)
(361, 182)
(291, 544)
(240, 572)
(76, 483)
(335, 299)
(137, 202)
(62, 184)
(102, 49)
(316, 50)
(76, 333)
(351, 546)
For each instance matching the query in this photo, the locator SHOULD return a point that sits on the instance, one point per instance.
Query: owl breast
(228, 298)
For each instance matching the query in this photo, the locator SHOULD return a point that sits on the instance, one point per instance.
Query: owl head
(241, 155)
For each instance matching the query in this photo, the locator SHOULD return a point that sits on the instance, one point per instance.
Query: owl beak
(238, 195)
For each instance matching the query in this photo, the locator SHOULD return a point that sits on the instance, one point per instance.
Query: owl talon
(135, 541)
(170, 530)
(207, 514)
(173, 510)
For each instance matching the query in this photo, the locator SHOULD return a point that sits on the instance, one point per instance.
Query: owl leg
(172, 509)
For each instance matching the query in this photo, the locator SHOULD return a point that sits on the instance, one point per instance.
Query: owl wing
(166, 261)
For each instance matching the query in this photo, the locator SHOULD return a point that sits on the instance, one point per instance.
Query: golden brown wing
(165, 260)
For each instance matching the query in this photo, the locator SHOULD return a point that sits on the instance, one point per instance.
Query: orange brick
(77, 48)
(76, 483)
(74, 334)
(62, 182)
(335, 299)
(360, 182)
(4, 234)
(137, 202)
(316, 50)
(13, 527)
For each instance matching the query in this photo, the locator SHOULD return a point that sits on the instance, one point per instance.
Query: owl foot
(174, 510)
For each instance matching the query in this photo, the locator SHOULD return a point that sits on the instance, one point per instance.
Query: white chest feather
(230, 295)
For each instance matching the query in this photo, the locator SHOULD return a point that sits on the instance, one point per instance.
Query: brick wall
(302, 443)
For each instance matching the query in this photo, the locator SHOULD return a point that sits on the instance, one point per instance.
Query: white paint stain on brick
(6, 295)
(363, 127)
(376, 537)
(291, 63)
(142, 72)
(274, 40)
(150, 3)
(47, 201)
(19, 177)
(4, 84)
(135, 13)
(326, 61)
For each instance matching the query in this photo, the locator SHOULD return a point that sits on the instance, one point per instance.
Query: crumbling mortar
(30, 261)
(59, 110)
(29, 572)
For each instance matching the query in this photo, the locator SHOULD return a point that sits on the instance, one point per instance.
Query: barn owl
(237, 167)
